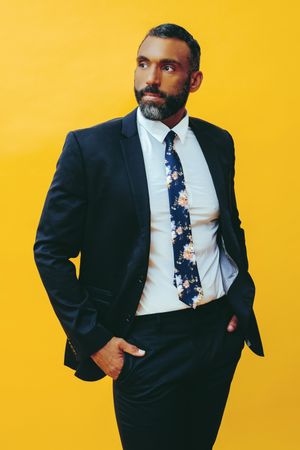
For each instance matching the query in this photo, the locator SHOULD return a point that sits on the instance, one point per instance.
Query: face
(163, 79)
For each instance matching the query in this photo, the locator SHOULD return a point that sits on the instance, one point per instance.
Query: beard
(173, 103)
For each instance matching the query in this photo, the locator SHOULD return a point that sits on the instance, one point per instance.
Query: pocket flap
(99, 295)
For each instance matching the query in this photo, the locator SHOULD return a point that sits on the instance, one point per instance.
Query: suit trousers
(173, 397)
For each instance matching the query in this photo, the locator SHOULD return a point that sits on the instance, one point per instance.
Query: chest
(202, 198)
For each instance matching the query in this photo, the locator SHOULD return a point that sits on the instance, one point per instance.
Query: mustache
(152, 90)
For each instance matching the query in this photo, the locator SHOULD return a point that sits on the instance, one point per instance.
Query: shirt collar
(159, 130)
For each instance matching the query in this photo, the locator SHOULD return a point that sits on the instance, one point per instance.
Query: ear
(196, 80)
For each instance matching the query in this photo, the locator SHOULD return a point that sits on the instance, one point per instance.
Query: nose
(153, 76)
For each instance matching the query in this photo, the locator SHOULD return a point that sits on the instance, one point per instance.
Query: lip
(151, 96)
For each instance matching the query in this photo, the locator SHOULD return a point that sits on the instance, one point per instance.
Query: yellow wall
(68, 65)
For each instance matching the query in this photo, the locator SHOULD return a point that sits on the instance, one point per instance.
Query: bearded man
(164, 300)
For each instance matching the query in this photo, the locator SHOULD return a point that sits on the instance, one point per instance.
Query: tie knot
(169, 139)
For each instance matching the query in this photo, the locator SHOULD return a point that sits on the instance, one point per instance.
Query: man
(163, 303)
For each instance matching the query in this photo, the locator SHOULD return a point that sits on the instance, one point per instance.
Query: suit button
(141, 279)
(128, 317)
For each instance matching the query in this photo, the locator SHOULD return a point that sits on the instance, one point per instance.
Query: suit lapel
(210, 152)
(134, 161)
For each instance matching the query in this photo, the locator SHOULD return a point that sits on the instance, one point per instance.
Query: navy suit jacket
(98, 206)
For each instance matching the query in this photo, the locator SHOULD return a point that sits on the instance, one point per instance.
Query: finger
(232, 323)
(132, 349)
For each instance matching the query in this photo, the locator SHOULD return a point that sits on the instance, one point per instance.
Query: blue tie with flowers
(186, 276)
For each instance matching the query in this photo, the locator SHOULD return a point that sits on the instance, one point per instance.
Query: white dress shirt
(159, 293)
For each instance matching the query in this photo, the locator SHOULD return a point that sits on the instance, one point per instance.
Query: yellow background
(68, 65)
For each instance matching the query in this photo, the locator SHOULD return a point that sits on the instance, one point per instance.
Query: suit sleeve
(239, 231)
(59, 238)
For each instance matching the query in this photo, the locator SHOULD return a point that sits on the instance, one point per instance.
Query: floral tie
(186, 276)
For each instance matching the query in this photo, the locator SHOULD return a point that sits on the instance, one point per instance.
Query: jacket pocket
(101, 298)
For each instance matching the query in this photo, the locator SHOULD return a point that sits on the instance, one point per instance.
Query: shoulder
(220, 137)
(108, 126)
(108, 129)
(91, 139)
(215, 131)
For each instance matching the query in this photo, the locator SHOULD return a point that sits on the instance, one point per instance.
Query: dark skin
(165, 64)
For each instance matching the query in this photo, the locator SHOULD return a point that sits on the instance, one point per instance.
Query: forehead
(155, 48)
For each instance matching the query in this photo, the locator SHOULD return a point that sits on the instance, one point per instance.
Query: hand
(232, 325)
(110, 358)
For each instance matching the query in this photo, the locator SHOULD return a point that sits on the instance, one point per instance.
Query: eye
(168, 68)
(142, 64)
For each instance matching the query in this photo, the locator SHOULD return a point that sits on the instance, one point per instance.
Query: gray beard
(154, 112)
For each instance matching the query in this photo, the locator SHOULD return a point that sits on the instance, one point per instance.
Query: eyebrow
(164, 61)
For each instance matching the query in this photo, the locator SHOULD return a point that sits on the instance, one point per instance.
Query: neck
(175, 118)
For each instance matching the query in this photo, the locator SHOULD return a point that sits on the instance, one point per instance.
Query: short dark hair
(171, 30)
